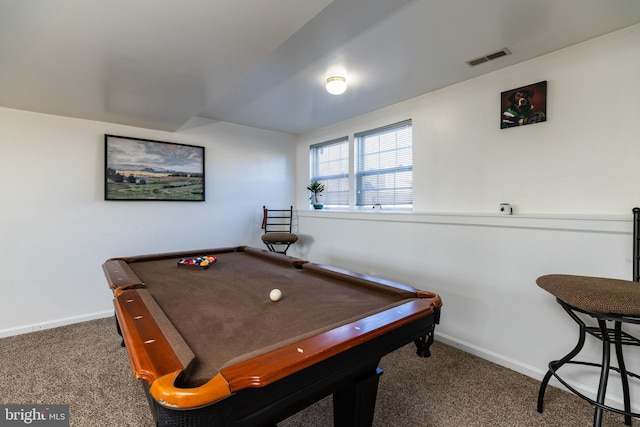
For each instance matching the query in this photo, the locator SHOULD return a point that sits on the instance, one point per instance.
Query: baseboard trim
(496, 358)
(54, 323)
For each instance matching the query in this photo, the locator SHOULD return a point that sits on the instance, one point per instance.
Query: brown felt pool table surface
(197, 336)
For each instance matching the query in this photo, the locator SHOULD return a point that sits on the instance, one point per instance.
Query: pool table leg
(354, 405)
(423, 344)
(119, 331)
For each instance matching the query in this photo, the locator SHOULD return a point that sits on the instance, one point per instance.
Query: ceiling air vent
(490, 57)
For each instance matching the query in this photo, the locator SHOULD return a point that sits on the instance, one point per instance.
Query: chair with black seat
(605, 304)
(277, 225)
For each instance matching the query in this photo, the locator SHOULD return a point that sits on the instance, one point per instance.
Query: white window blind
(330, 166)
(384, 166)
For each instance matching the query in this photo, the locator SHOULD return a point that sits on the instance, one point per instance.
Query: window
(384, 166)
(330, 166)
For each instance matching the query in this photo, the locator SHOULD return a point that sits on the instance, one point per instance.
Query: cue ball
(275, 295)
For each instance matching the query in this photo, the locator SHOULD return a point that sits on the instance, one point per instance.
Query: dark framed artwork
(143, 169)
(524, 106)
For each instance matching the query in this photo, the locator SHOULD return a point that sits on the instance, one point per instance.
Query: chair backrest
(636, 244)
(277, 220)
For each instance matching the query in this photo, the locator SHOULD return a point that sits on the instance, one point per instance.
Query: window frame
(353, 176)
(326, 179)
(360, 174)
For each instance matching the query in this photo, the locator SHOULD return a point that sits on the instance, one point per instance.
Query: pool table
(212, 349)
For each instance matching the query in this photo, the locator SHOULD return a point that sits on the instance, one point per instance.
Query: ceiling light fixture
(336, 85)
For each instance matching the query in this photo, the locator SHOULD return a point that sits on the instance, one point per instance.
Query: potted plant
(316, 188)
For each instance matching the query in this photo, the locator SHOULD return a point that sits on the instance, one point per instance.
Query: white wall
(56, 229)
(572, 181)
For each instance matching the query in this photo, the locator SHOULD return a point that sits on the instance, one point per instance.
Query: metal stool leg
(556, 364)
(623, 373)
(604, 373)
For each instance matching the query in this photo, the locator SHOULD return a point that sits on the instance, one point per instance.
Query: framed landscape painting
(142, 169)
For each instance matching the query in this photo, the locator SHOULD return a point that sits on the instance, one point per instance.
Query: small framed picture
(524, 106)
(142, 169)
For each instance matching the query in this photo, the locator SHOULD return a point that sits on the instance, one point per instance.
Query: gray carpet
(84, 366)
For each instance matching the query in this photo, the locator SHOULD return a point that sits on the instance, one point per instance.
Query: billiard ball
(275, 295)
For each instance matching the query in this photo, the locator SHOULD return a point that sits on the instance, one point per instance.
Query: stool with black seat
(606, 304)
(277, 225)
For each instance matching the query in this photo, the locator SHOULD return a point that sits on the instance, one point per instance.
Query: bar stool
(277, 225)
(611, 303)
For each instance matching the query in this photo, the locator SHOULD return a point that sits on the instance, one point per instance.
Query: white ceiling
(170, 64)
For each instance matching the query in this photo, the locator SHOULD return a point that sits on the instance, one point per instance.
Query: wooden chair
(606, 304)
(277, 225)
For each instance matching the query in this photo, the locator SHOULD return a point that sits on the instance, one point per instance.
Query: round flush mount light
(336, 85)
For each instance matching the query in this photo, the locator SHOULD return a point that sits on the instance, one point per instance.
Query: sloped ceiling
(172, 64)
